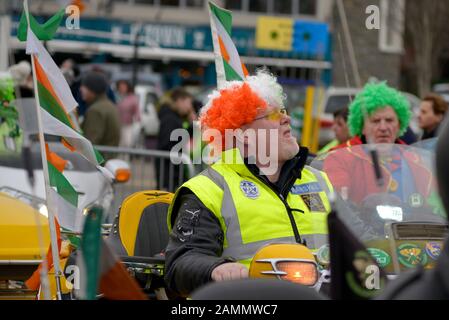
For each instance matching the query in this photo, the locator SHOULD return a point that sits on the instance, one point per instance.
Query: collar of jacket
(99, 98)
(291, 170)
(430, 134)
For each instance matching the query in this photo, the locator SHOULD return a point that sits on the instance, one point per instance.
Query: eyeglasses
(275, 115)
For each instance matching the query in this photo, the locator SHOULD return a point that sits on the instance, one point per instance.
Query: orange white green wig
(240, 102)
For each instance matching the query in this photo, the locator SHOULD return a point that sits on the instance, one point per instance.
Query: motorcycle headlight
(305, 273)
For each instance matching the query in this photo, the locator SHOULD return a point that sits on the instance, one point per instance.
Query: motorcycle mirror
(120, 170)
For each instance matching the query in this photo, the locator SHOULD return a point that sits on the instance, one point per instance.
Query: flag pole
(51, 216)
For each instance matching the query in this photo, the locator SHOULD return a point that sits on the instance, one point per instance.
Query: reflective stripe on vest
(235, 247)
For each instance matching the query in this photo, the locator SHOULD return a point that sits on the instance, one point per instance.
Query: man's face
(184, 106)
(382, 126)
(427, 119)
(87, 95)
(283, 147)
(341, 129)
(122, 88)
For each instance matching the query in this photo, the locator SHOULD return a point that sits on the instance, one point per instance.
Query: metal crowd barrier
(150, 170)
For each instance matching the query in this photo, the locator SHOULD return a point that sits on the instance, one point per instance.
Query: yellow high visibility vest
(253, 215)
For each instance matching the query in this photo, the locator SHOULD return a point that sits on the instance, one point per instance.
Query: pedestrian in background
(177, 112)
(340, 129)
(23, 79)
(432, 110)
(128, 108)
(101, 124)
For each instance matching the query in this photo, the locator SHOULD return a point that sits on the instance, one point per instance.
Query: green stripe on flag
(62, 185)
(98, 156)
(230, 73)
(48, 102)
(91, 251)
(44, 31)
(224, 16)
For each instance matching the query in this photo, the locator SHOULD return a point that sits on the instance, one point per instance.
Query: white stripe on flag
(54, 74)
(53, 126)
(69, 216)
(234, 58)
(219, 66)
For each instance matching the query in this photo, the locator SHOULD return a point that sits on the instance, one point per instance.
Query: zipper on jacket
(298, 238)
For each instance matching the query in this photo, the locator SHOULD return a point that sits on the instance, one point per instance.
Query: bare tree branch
(426, 30)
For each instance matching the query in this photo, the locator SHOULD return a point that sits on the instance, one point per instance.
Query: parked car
(92, 186)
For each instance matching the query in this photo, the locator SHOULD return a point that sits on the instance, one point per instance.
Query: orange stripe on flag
(43, 79)
(68, 145)
(117, 284)
(223, 50)
(34, 281)
(245, 71)
(58, 162)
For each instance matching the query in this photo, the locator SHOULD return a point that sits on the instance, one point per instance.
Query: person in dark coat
(101, 124)
(175, 113)
(431, 113)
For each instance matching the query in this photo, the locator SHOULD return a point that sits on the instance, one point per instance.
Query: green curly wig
(373, 97)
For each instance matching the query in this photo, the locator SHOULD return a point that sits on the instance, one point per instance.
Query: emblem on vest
(249, 189)
(313, 202)
(313, 187)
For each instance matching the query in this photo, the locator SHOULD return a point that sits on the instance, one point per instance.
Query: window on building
(392, 26)
(195, 3)
(169, 3)
(144, 1)
(307, 7)
(284, 7)
(234, 4)
(258, 5)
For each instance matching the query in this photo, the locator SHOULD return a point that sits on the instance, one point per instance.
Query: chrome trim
(279, 273)
(19, 262)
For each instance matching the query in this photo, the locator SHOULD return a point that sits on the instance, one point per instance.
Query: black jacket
(196, 240)
(169, 121)
(430, 134)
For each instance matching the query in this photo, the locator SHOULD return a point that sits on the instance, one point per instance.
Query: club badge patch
(249, 189)
(323, 255)
(416, 200)
(313, 202)
(313, 187)
(382, 258)
(433, 250)
(410, 255)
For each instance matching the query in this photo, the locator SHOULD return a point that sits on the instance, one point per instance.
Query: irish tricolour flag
(56, 103)
(228, 64)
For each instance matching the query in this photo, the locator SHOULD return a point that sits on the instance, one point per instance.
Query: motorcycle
(393, 206)
(394, 210)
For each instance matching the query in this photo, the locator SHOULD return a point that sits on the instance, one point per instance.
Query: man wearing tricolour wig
(378, 114)
(258, 192)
